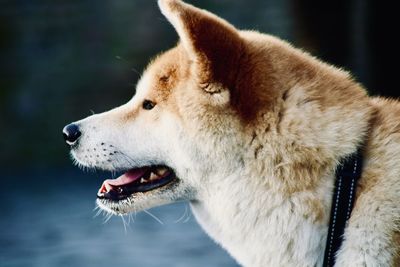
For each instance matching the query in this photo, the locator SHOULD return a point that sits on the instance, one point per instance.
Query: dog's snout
(71, 134)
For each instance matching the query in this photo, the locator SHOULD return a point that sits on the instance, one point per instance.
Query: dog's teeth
(161, 171)
(153, 176)
(108, 187)
(142, 180)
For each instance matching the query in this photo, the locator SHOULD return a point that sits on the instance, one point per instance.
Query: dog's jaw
(142, 201)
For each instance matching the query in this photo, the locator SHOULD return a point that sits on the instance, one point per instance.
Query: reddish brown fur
(167, 70)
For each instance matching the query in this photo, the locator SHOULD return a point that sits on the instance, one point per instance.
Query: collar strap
(347, 175)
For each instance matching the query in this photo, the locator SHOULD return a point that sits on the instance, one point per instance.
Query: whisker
(183, 215)
(134, 212)
(127, 156)
(129, 159)
(153, 216)
(98, 212)
(123, 222)
(188, 217)
(136, 71)
(130, 219)
(108, 217)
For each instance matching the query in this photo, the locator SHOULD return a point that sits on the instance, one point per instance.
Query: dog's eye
(148, 104)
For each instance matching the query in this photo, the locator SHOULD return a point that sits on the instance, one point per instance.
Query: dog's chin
(138, 201)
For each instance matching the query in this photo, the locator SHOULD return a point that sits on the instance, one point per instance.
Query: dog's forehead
(162, 73)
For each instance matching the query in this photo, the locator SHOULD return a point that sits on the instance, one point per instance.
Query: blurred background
(62, 60)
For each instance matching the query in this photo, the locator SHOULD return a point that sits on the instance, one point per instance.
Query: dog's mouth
(136, 180)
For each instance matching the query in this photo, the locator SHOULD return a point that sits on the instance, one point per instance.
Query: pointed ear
(212, 44)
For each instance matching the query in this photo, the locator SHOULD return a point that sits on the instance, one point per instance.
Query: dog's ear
(212, 44)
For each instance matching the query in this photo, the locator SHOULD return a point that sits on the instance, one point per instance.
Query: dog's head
(173, 137)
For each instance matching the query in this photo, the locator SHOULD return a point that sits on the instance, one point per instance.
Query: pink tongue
(127, 177)
(124, 179)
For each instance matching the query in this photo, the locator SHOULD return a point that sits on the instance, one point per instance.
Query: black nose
(71, 134)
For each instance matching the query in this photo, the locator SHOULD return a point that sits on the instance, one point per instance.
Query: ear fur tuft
(212, 44)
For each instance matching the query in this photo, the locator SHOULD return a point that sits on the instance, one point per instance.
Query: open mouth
(136, 180)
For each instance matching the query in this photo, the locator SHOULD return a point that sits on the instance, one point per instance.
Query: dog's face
(171, 138)
(142, 139)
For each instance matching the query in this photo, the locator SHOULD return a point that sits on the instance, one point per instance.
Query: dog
(250, 131)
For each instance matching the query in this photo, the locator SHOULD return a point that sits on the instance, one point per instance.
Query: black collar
(347, 176)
